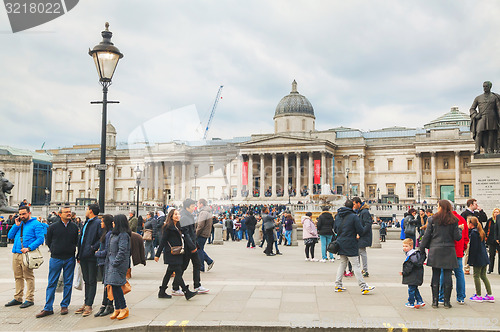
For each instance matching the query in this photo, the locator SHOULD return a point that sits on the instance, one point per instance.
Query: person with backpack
(410, 226)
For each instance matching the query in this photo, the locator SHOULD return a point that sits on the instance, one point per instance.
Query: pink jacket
(309, 228)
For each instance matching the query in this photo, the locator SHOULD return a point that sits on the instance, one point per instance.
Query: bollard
(294, 236)
(376, 236)
(3, 228)
(218, 234)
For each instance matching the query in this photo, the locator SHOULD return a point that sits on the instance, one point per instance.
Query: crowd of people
(105, 247)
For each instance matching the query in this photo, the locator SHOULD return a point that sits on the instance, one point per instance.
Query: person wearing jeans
(250, 222)
(203, 230)
(460, 246)
(288, 228)
(62, 239)
(325, 231)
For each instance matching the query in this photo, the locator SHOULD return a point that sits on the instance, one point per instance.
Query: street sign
(101, 167)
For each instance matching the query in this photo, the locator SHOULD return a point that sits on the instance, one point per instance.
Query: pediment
(280, 140)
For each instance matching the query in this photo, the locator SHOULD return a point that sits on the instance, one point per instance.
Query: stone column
(92, 180)
(376, 236)
(172, 181)
(262, 175)
(418, 165)
(218, 234)
(155, 181)
(310, 174)
(323, 169)
(273, 170)
(87, 181)
(240, 175)
(297, 179)
(183, 181)
(362, 189)
(110, 191)
(457, 174)
(433, 175)
(250, 175)
(53, 187)
(285, 180)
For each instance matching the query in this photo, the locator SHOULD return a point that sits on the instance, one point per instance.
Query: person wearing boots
(172, 237)
(440, 236)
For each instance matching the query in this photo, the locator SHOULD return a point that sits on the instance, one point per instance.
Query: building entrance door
(448, 192)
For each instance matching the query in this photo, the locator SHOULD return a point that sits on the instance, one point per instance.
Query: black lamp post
(378, 195)
(106, 57)
(289, 189)
(419, 187)
(138, 173)
(69, 186)
(347, 178)
(47, 193)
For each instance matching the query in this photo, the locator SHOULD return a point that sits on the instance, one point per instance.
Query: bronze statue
(485, 121)
(5, 188)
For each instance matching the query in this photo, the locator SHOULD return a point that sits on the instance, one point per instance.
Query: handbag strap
(182, 240)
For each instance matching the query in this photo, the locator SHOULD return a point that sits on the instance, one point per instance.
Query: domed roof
(110, 129)
(454, 118)
(294, 104)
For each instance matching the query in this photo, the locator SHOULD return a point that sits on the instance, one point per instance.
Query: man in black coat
(250, 221)
(472, 210)
(365, 240)
(347, 226)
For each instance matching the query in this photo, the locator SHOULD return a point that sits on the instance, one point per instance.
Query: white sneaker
(177, 293)
(367, 289)
(332, 260)
(202, 290)
(308, 259)
(323, 261)
(314, 260)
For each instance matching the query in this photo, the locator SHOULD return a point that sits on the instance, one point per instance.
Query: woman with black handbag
(172, 246)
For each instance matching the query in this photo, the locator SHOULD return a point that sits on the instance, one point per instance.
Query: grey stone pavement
(250, 292)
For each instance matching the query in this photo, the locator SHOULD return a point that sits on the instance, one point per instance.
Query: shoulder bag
(334, 245)
(177, 250)
(31, 259)
(148, 235)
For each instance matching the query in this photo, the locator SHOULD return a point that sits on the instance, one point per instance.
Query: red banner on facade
(317, 171)
(245, 173)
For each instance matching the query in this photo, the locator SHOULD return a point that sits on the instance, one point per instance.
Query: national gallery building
(397, 164)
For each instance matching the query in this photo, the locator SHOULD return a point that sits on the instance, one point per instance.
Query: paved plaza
(252, 292)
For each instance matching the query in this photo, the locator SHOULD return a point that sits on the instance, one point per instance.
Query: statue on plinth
(485, 120)
(5, 188)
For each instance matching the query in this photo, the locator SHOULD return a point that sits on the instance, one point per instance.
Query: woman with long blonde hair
(478, 259)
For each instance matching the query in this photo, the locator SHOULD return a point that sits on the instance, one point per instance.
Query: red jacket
(461, 245)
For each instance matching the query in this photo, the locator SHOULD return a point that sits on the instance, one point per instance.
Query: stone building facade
(408, 165)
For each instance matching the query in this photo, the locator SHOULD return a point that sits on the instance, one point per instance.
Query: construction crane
(213, 112)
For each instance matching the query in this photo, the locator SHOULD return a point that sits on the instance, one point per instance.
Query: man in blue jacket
(32, 237)
(88, 244)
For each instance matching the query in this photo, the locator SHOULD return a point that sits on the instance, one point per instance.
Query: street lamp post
(69, 186)
(106, 57)
(47, 193)
(419, 187)
(289, 189)
(195, 176)
(347, 177)
(378, 195)
(138, 173)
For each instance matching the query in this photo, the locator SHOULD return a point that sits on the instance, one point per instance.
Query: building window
(465, 163)
(119, 172)
(339, 190)
(132, 172)
(466, 190)
(410, 190)
(211, 169)
(211, 192)
(409, 164)
(371, 165)
(427, 164)
(371, 191)
(303, 124)
(82, 175)
(58, 195)
(81, 193)
(234, 191)
(427, 190)
(354, 190)
(118, 194)
(446, 164)
(354, 164)
(339, 166)
(131, 195)
(235, 169)
(391, 189)
(390, 165)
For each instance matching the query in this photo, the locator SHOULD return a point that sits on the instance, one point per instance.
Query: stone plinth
(376, 236)
(485, 178)
(294, 236)
(218, 234)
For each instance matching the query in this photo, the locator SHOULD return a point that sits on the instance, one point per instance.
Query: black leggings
(177, 268)
(436, 275)
(310, 247)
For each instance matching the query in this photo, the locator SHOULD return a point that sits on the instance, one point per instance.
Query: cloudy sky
(362, 64)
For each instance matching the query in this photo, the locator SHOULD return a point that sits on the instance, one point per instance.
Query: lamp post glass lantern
(47, 193)
(106, 57)
(138, 173)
